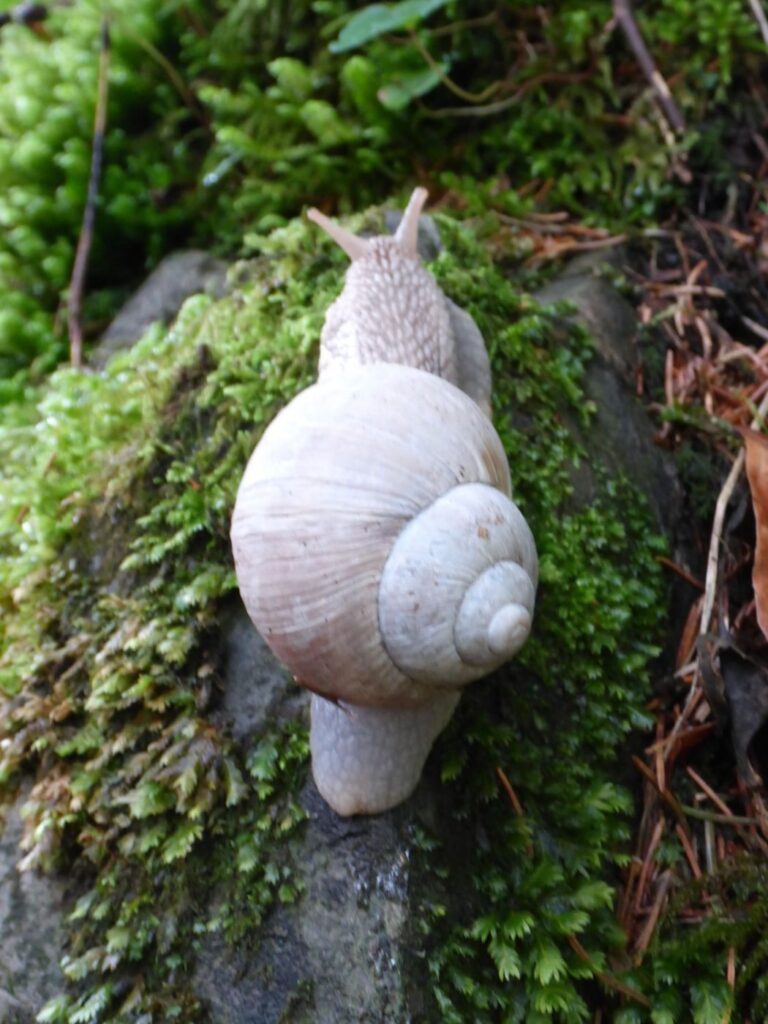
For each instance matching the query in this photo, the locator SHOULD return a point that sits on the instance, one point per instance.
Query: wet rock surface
(173, 280)
(620, 436)
(339, 955)
(32, 908)
(257, 689)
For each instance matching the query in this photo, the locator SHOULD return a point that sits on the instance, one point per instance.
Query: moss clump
(47, 98)
(225, 119)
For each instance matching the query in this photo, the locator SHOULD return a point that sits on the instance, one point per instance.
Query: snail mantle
(377, 548)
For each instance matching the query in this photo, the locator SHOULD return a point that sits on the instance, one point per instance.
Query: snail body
(377, 547)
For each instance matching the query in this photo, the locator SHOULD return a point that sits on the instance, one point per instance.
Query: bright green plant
(47, 99)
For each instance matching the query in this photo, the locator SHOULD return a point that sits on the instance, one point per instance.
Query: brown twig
(690, 854)
(513, 797)
(646, 935)
(680, 571)
(609, 980)
(622, 11)
(448, 82)
(489, 109)
(80, 266)
(723, 499)
(708, 791)
(514, 800)
(762, 21)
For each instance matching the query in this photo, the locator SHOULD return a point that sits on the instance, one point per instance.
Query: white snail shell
(377, 547)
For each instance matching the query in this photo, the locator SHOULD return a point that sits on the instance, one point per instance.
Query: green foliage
(227, 118)
(736, 897)
(47, 99)
(378, 19)
(111, 596)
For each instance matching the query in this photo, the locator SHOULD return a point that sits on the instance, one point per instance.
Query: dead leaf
(756, 445)
(737, 688)
(746, 685)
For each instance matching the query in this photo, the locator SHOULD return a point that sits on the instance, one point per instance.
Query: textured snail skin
(366, 760)
(377, 548)
(391, 310)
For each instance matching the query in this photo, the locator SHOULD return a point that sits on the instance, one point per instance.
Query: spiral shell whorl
(457, 592)
(494, 618)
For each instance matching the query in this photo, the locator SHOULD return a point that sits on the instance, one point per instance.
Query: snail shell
(369, 532)
(377, 547)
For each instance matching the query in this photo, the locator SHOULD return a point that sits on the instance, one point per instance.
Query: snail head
(404, 240)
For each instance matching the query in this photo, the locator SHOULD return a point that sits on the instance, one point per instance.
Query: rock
(173, 280)
(32, 908)
(338, 956)
(14, 1012)
(257, 688)
(620, 436)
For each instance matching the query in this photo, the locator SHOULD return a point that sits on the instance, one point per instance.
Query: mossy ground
(115, 566)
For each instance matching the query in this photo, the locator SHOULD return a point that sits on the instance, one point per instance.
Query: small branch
(723, 499)
(80, 266)
(680, 571)
(646, 935)
(720, 819)
(609, 980)
(757, 328)
(690, 854)
(462, 26)
(448, 82)
(513, 797)
(622, 11)
(762, 21)
(708, 791)
(514, 800)
(176, 80)
(489, 109)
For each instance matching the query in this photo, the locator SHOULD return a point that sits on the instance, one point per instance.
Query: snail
(377, 548)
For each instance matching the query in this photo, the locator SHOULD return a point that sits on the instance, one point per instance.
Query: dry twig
(77, 281)
(762, 21)
(622, 12)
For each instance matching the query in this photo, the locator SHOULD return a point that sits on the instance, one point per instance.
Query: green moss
(225, 119)
(48, 85)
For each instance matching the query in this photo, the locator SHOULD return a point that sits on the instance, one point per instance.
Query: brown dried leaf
(756, 445)
(737, 687)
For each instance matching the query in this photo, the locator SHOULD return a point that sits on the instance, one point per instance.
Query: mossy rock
(186, 834)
